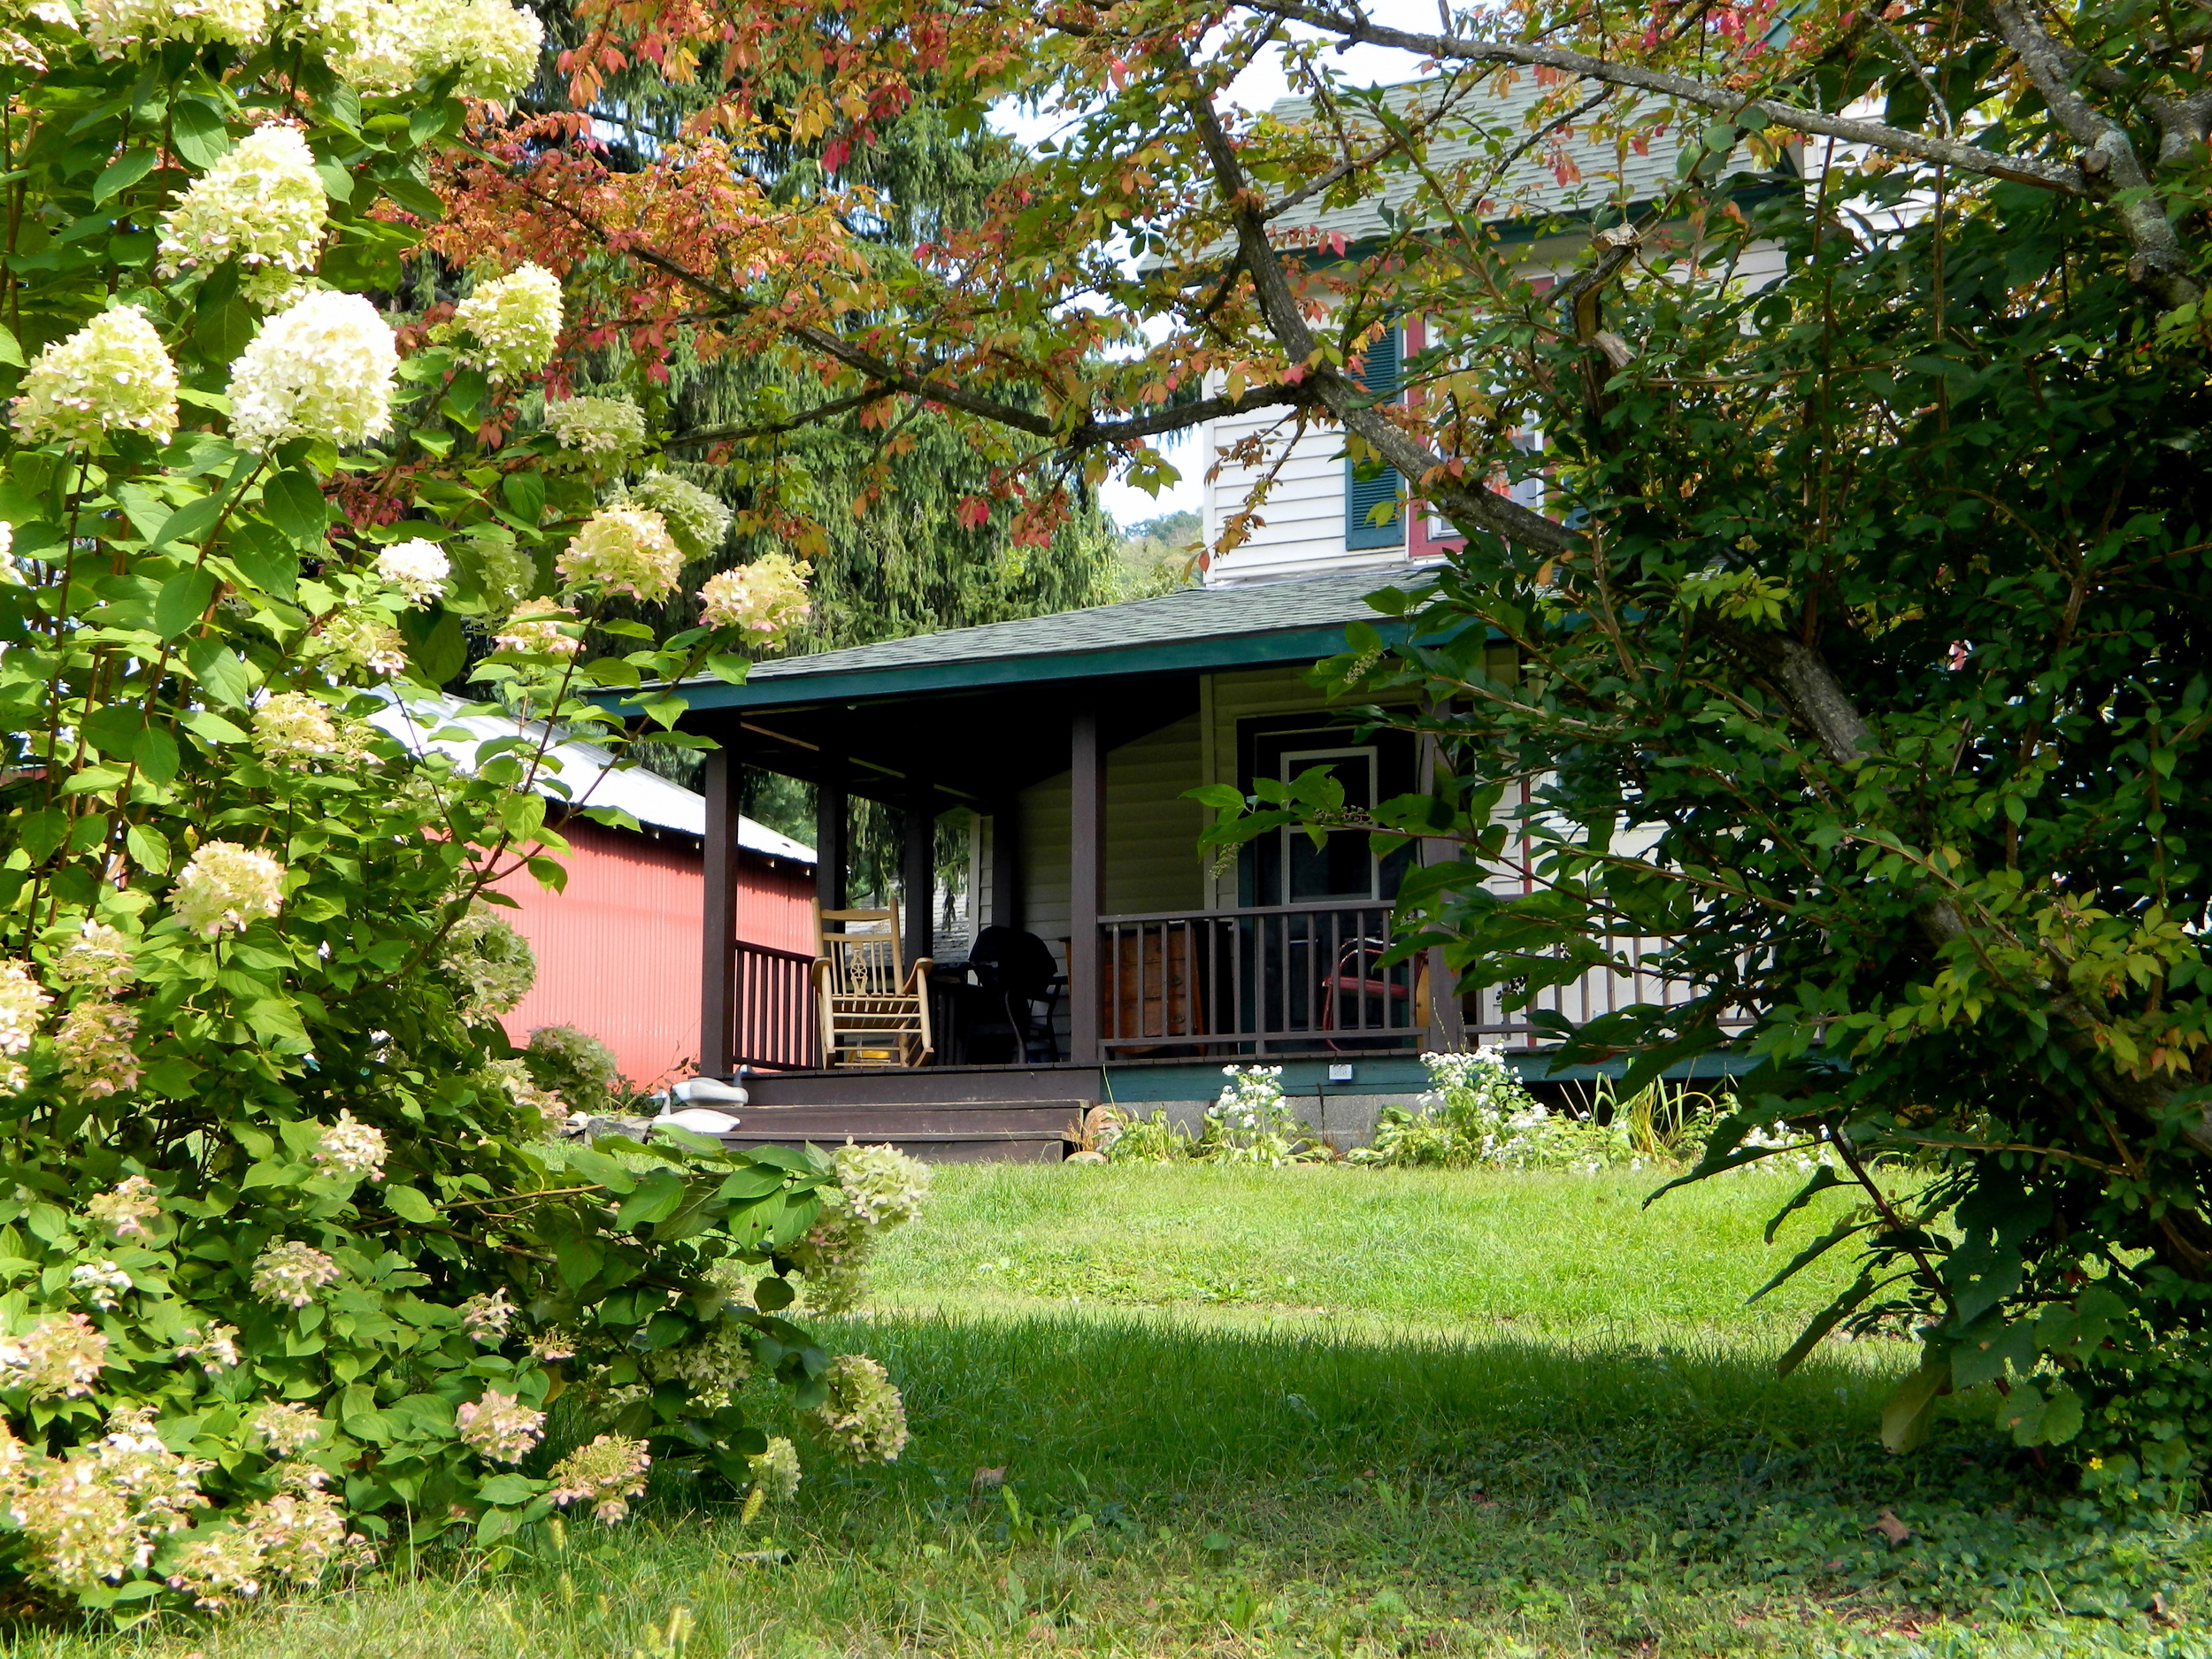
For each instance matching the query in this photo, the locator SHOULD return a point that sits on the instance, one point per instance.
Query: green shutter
(1362, 496)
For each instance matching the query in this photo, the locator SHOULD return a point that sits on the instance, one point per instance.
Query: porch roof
(1195, 629)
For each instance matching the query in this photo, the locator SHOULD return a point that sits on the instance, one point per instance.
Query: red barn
(618, 948)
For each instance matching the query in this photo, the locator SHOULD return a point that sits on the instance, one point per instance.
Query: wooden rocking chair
(871, 1013)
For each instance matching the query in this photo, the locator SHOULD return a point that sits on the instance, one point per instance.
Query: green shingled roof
(1196, 628)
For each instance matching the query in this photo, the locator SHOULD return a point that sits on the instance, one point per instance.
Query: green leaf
(158, 757)
(772, 1295)
(526, 495)
(265, 559)
(412, 197)
(1823, 1178)
(11, 352)
(119, 174)
(725, 667)
(224, 330)
(1911, 1409)
(655, 1200)
(1826, 1320)
(148, 848)
(1813, 1252)
(41, 831)
(293, 501)
(435, 644)
(220, 672)
(197, 134)
(184, 600)
(408, 1205)
(189, 523)
(205, 724)
(510, 1489)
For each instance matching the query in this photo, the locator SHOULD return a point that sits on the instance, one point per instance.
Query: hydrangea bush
(291, 1271)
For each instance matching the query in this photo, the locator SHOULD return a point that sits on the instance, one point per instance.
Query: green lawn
(1316, 1412)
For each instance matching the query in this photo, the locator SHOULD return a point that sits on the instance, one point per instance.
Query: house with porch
(1067, 746)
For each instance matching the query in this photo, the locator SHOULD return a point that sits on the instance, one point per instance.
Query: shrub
(1251, 1123)
(1154, 1140)
(576, 1068)
(289, 1272)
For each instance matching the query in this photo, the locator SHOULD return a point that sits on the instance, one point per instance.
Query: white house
(1319, 516)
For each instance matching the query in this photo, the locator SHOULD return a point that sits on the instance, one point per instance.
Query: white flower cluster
(216, 1348)
(59, 1358)
(286, 1430)
(322, 368)
(879, 1187)
(351, 1147)
(1251, 1123)
(100, 957)
(500, 1427)
(764, 599)
(125, 1211)
(1799, 1151)
(357, 639)
(537, 630)
(23, 1005)
(113, 24)
(611, 427)
(696, 517)
(711, 1366)
(290, 1274)
(1478, 1114)
(263, 205)
(549, 1110)
(225, 884)
(512, 324)
(102, 1283)
(419, 569)
(293, 728)
(775, 1471)
(864, 1419)
(385, 46)
(487, 1318)
(623, 551)
(98, 1514)
(607, 1473)
(95, 1043)
(19, 50)
(111, 375)
(293, 1538)
(495, 967)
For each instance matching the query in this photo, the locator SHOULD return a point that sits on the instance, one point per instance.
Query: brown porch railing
(1273, 979)
(776, 1027)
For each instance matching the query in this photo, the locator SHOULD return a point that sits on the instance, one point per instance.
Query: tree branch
(1685, 89)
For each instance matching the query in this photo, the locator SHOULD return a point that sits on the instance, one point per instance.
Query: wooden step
(940, 1132)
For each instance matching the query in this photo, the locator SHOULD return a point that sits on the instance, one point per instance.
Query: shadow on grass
(1703, 1458)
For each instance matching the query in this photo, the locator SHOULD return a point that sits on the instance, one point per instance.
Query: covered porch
(1065, 746)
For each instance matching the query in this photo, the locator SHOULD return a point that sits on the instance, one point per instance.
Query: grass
(1312, 1411)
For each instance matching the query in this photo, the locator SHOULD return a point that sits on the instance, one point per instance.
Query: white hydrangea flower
(289, 1273)
(495, 45)
(225, 884)
(125, 1211)
(513, 322)
(358, 640)
(285, 1429)
(486, 1318)
(111, 375)
(216, 1348)
(376, 45)
(95, 1043)
(775, 1471)
(864, 1419)
(536, 631)
(113, 24)
(419, 569)
(99, 955)
(500, 1427)
(608, 1473)
(59, 1358)
(696, 517)
(624, 550)
(323, 368)
(102, 1283)
(23, 1003)
(764, 599)
(609, 426)
(292, 726)
(263, 205)
(352, 1148)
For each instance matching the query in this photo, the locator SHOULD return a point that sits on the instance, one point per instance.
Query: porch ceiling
(980, 745)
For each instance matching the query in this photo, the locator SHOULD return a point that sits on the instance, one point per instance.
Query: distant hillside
(1155, 555)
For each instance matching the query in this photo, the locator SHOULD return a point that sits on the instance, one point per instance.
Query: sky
(1260, 85)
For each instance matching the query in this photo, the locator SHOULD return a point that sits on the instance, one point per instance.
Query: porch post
(1448, 1019)
(1086, 839)
(831, 833)
(917, 871)
(718, 933)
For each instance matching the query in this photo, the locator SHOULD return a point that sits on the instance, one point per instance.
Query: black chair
(1017, 994)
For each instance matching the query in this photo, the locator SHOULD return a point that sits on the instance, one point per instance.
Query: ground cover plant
(1457, 1412)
